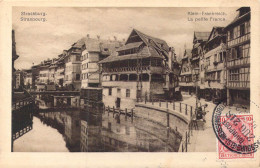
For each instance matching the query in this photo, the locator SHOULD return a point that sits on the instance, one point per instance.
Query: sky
(37, 41)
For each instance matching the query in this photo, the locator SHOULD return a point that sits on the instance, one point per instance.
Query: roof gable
(134, 37)
(214, 32)
(201, 36)
(153, 47)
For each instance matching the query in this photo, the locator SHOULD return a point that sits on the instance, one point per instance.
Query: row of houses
(73, 69)
(143, 67)
(222, 58)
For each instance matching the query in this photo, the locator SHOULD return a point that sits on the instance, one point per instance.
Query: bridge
(56, 93)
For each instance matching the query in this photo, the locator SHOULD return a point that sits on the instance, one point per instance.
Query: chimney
(88, 36)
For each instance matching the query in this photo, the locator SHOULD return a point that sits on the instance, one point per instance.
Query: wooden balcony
(238, 84)
(239, 62)
(239, 40)
(134, 69)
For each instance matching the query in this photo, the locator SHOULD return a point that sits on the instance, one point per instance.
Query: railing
(186, 140)
(238, 62)
(125, 69)
(185, 109)
(21, 103)
(239, 40)
(240, 84)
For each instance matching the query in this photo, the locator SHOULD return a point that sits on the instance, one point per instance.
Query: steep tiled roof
(144, 53)
(218, 29)
(130, 45)
(238, 18)
(92, 45)
(158, 44)
(80, 42)
(108, 47)
(201, 35)
(154, 47)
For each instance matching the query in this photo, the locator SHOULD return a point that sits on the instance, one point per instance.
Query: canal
(91, 129)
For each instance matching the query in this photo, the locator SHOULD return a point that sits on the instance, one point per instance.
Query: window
(215, 58)
(236, 32)
(231, 34)
(218, 76)
(242, 29)
(234, 75)
(127, 92)
(77, 58)
(239, 51)
(220, 57)
(77, 76)
(110, 91)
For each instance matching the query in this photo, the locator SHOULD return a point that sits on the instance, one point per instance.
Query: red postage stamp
(239, 130)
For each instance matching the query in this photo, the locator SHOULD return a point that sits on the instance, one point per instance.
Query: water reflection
(91, 130)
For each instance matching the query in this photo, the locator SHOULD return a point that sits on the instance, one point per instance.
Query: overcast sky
(37, 41)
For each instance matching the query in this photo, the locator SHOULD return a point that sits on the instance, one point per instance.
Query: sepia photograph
(135, 79)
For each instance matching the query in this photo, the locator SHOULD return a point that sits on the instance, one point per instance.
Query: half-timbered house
(215, 63)
(238, 60)
(95, 50)
(73, 65)
(137, 71)
(185, 79)
(197, 61)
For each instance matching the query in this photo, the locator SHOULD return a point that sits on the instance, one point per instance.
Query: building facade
(238, 59)
(137, 71)
(60, 70)
(52, 71)
(197, 61)
(28, 78)
(215, 66)
(73, 66)
(19, 79)
(94, 51)
(185, 81)
(43, 78)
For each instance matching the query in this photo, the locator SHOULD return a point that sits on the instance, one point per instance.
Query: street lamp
(196, 72)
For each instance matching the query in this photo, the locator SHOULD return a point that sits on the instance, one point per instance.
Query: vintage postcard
(100, 84)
